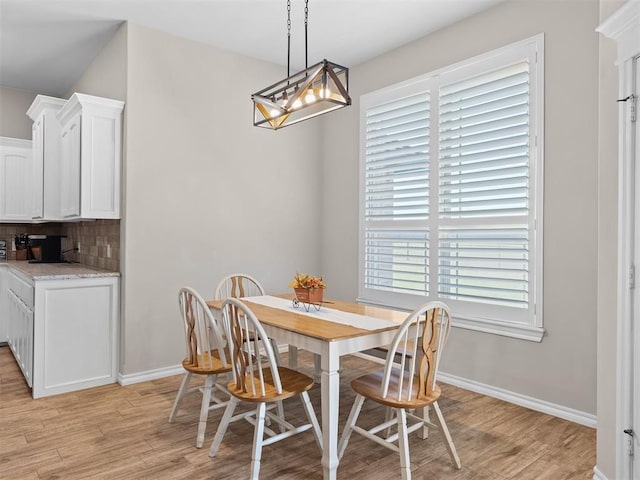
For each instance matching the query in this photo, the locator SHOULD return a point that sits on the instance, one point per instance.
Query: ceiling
(45, 45)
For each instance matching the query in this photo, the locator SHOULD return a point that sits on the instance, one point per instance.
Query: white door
(635, 301)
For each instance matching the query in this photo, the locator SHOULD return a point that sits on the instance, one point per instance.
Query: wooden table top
(318, 328)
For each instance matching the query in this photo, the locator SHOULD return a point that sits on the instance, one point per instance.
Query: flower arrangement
(302, 280)
(309, 290)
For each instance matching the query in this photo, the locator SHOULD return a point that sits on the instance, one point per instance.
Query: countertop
(57, 271)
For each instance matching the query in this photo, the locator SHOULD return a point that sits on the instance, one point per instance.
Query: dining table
(330, 330)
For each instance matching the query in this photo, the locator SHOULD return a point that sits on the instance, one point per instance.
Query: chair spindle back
(238, 285)
(202, 333)
(419, 343)
(249, 364)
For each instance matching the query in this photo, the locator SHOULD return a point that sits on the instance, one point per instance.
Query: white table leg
(330, 390)
(317, 367)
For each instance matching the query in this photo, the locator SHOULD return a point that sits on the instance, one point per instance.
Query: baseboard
(149, 375)
(162, 372)
(536, 404)
(598, 475)
(543, 406)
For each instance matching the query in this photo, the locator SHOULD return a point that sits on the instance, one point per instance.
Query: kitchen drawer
(21, 288)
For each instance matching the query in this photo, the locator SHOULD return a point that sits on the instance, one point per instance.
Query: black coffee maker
(45, 248)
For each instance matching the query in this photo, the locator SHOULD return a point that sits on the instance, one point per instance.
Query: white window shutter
(397, 260)
(396, 187)
(485, 264)
(451, 191)
(484, 145)
(483, 177)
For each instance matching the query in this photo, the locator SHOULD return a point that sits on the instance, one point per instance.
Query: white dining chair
(259, 380)
(407, 383)
(207, 355)
(240, 285)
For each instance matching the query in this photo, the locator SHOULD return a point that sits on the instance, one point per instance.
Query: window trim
(533, 329)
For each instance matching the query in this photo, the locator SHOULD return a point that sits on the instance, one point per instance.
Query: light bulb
(296, 104)
(309, 97)
(274, 112)
(324, 86)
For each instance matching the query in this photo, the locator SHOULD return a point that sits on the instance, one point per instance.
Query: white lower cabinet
(20, 332)
(4, 310)
(63, 332)
(75, 334)
(22, 336)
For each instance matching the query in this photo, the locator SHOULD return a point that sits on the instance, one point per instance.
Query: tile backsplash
(99, 243)
(99, 240)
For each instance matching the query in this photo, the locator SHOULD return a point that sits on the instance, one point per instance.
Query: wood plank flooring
(116, 432)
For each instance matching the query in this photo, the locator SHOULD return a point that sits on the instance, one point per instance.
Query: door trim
(624, 27)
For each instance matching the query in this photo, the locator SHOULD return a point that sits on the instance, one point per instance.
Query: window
(451, 191)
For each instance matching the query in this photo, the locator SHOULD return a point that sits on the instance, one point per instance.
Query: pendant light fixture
(318, 89)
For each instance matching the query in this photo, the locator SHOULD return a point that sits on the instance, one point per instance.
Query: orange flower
(302, 280)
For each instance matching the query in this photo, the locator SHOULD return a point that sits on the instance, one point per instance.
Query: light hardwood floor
(116, 432)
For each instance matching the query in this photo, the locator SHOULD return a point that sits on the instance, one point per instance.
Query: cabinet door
(12, 316)
(4, 307)
(100, 164)
(70, 168)
(91, 157)
(75, 319)
(26, 318)
(37, 134)
(15, 182)
(21, 335)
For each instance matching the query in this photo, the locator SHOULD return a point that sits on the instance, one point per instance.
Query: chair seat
(208, 364)
(369, 386)
(293, 383)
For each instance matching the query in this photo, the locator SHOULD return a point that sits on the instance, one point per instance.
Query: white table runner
(329, 314)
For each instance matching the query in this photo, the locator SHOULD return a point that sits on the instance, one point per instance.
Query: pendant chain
(306, 22)
(288, 38)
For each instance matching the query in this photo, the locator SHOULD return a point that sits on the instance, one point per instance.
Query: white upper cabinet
(15, 180)
(90, 161)
(70, 168)
(45, 203)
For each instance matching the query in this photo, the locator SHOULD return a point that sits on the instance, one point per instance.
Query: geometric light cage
(319, 89)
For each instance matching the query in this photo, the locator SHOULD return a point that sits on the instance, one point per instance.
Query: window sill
(513, 330)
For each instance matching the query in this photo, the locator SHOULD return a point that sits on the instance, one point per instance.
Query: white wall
(106, 75)
(14, 104)
(562, 368)
(207, 194)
